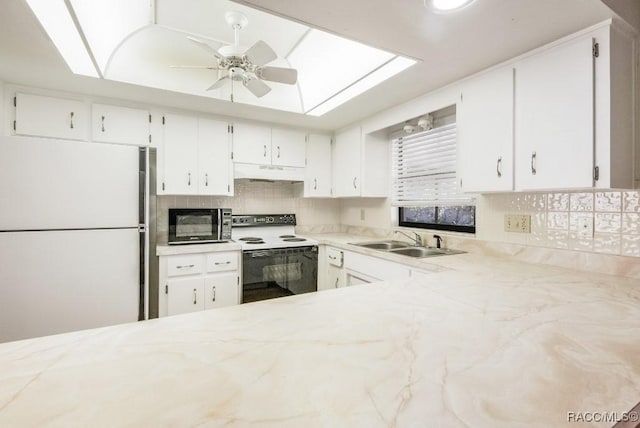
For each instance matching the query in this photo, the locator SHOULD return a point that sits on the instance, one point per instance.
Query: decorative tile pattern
(558, 202)
(581, 202)
(608, 243)
(608, 201)
(631, 245)
(631, 201)
(608, 222)
(557, 221)
(631, 224)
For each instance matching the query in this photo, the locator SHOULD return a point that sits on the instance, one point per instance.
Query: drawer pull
(213, 291)
(534, 163)
(195, 296)
(315, 184)
(333, 258)
(222, 263)
(185, 266)
(102, 123)
(499, 167)
(71, 120)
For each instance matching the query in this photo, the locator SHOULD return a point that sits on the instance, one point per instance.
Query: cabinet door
(317, 178)
(185, 295)
(347, 163)
(251, 144)
(50, 117)
(221, 290)
(112, 124)
(335, 277)
(287, 147)
(485, 132)
(180, 155)
(554, 118)
(214, 158)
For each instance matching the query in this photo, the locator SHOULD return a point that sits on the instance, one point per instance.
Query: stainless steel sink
(406, 249)
(419, 252)
(382, 245)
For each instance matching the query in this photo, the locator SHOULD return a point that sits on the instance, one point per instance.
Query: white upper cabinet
(554, 118)
(346, 162)
(50, 117)
(197, 157)
(215, 172)
(113, 124)
(485, 132)
(180, 145)
(361, 164)
(262, 145)
(317, 178)
(287, 147)
(251, 143)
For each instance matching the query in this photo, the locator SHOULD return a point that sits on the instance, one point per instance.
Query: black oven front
(279, 272)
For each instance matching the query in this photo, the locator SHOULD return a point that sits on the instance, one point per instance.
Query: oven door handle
(261, 254)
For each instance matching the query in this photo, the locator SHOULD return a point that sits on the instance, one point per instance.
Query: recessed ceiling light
(446, 5)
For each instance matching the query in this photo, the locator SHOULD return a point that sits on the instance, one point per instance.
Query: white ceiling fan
(237, 63)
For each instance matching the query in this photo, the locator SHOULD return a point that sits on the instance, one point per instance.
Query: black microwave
(199, 225)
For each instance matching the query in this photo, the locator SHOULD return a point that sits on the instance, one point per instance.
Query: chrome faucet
(416, 238)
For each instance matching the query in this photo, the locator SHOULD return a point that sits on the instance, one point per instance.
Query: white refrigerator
(72, 234)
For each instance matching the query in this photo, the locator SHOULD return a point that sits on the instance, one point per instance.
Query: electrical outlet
(585, 227)
(362, 214)
(520, 223)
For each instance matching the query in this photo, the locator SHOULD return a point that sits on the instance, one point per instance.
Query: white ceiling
(450, 45)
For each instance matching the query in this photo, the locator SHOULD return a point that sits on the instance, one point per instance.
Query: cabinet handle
(355, 186)
(222, 263)
(195, 296)
(499, 167)
(71, 120)
(206, 179)
(213, 291)
(333, 258)
(102, 123)
(315, 184)
(534, 162)
(185, 266)
(189, 180)
(337, 279)
(278, 152)
(265, 151)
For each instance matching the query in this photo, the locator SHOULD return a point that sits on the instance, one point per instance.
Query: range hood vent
(268, 172)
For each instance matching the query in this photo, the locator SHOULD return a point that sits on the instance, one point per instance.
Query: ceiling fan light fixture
(444, 6)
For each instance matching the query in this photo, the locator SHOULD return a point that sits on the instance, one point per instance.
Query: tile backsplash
(556, 216)
(256, 197)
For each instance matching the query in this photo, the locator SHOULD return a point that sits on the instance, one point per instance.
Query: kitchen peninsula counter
(482, 342)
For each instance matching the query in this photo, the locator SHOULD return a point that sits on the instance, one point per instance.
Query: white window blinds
(424, 169)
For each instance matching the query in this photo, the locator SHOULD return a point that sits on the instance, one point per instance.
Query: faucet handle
(438, 239)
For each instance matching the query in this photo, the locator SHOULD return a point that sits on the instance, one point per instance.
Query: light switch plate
(520, 223)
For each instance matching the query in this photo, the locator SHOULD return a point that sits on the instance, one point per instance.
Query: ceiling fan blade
(278, 74)
(218, 83)
(260, 53)
(206, 67)
(257, 87)
(207, 47)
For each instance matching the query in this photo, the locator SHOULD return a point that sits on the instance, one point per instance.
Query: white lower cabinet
(195, 282)
(339, 268)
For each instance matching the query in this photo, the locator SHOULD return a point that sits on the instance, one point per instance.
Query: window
(425, 188)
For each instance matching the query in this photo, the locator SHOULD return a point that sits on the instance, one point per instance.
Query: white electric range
(275, 261)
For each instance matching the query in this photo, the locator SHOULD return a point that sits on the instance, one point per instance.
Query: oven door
(278, 272)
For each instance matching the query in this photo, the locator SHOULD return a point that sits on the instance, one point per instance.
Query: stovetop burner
(294, 239)
(251, 238)
(254, 242)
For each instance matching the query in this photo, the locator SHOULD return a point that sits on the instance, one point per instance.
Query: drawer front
(188, 264)
(335, 256)
(219, 262)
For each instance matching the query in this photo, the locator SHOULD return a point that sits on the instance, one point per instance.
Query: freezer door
(53, 184)
(59, 281)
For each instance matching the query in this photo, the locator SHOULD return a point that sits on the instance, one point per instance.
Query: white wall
(257, 197)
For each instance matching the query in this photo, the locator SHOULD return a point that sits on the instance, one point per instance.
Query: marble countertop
(482, 342)
(170, 250)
